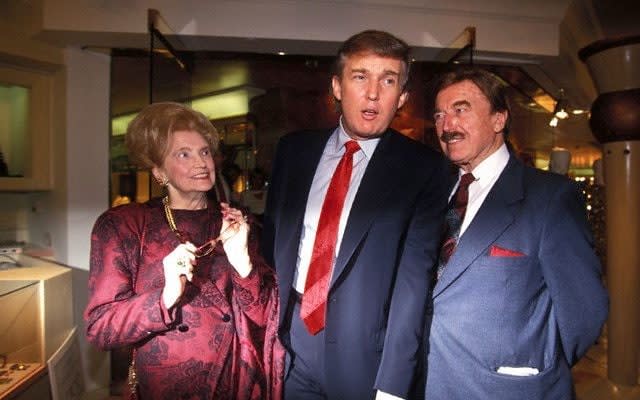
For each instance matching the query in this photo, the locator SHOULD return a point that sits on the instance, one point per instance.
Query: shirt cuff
(380, 395)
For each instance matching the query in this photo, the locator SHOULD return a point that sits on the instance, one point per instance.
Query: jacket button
(183, 328)
(226, 318)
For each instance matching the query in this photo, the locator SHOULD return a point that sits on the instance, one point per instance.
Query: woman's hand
(234, 234)
(178, 269)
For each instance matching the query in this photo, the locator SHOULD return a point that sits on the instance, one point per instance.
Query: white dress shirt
(486, 174)
(331, 156)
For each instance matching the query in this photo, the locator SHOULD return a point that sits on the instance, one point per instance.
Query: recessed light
(281, 53)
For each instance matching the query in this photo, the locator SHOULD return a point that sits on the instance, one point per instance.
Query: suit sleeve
(272, 205)
(403, 342)
(572, 273)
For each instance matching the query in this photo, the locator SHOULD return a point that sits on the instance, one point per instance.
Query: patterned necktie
(316, 288)
(454, 217)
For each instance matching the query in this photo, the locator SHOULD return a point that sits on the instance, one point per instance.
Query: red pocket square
(497, 251)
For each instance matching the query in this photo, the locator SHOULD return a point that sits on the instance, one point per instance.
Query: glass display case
(19, 344)
(36, 302)
(25, 131)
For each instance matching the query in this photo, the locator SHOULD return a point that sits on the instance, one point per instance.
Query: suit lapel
(494, 216)
(375, 187)
(300, 179)
(305, 159)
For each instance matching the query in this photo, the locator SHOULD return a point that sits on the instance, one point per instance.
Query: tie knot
(466, 179)
(351, 146)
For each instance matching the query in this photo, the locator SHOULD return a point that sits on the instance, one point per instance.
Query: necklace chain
(169, 215)
(203, 250)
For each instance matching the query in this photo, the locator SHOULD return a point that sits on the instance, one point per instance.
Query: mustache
(449, 136)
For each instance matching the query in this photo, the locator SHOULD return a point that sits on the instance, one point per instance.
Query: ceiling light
(578, 111)
(554, 122)
(560, 110)
(281, 53)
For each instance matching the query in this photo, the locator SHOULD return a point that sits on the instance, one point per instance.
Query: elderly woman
(179, 278)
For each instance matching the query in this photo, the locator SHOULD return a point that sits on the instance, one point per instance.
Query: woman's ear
(159, 176)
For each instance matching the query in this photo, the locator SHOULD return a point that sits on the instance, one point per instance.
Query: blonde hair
(148, 134)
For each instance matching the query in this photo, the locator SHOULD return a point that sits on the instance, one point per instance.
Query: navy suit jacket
(381, 278)
(522, 289)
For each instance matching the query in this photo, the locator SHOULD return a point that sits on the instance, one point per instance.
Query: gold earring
(162, 182)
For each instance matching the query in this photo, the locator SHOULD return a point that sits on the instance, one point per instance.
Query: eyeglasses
(208, 247)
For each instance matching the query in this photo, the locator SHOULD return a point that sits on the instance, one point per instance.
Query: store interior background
(95, 54)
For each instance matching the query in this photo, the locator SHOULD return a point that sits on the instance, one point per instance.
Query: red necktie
(316, 288)
(454, 217)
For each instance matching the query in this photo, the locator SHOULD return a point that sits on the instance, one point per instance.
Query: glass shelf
(25, 129)
(37, 316)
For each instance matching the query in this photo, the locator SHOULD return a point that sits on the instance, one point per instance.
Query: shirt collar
(367, 146)
(486, 172)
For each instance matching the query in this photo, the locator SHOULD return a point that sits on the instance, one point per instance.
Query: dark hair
(494, 89)
(148, 134)
(380, 43)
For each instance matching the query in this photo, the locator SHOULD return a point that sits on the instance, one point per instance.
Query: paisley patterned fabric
(220, 342)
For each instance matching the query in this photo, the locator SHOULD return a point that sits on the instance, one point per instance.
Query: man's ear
(403, 99)
(500, 121)
(336, 87)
